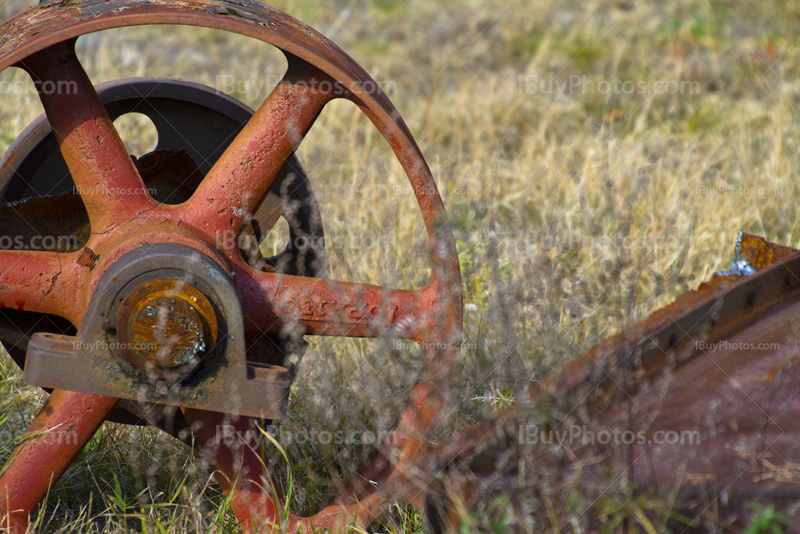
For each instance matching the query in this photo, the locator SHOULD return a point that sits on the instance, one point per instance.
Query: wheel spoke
(64, 425)
(233, 447)
(273, 302)
(43, 282)
(390, 465)
(104, 173)
(244, 174)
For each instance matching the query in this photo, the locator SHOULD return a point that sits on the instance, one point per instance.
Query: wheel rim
(271, 303)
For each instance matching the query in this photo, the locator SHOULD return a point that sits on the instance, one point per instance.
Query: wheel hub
(194, 125)
(166, 325)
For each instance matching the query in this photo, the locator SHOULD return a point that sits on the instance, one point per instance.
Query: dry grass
(576, 214)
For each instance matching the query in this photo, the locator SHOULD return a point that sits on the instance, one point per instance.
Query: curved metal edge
(161, 87)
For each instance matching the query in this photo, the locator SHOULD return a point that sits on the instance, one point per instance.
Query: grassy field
(596, 158)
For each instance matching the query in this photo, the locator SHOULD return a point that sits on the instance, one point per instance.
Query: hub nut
(165, 327)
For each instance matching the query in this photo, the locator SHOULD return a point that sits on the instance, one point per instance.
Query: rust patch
(9, 160)
(771, 374)
(761, 253)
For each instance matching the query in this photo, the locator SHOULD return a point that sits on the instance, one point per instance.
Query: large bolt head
(165, 326)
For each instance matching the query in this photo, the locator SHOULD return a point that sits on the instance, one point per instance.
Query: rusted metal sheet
(702, 396)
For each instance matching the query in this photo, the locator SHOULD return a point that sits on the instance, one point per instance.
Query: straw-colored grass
(576, 212)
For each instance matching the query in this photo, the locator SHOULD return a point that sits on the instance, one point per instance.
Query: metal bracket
(91, 362)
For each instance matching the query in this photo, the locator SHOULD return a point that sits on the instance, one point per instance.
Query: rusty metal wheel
(160, 297)
(194, 125)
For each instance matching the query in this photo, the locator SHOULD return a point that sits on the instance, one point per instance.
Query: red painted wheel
(150, 253)
(194, 124)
